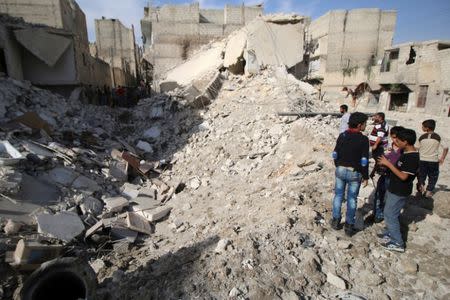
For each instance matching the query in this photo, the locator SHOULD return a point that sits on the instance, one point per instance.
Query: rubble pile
(230, 201)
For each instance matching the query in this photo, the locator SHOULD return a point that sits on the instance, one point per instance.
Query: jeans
(430, 169)
(380, 192)
(351, 179)
(392, 208)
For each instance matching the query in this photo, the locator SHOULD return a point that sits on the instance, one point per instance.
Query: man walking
(350, 157)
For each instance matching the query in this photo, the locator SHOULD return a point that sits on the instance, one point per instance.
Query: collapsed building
(172, 33)
(51, 47)
(116, 45)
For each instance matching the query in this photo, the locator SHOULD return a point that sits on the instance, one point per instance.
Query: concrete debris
(64, 225)
(9, 155)
(137, 223)
(29, 255)
(115, 204)
(336, 281)
(152, 133)
(222, 245)
(11, 227)
(156, 214)
(144, 146)
(91, 205)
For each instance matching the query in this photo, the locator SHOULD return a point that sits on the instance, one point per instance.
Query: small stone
(144, 146)
(344, 244)
(97, 265)
(222, 245)
(235, 292)
(336, 281)
(195, 183)
(12, 227)
(407, 266)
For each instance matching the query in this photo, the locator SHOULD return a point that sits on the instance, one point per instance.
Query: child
(400, 187)
(393, 154)
(429, 144)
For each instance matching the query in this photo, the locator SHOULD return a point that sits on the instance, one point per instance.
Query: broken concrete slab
(144, 203)
(235, 50)
(44, 45)
(138, 223)
(62, 175)
(29, 255)
(64, 226)
(86, 184)
(115, 204)
(91, 205)
(9, 155)
(124, 233)
(156, 214)
(168, 86)
(119, 169)
(37, 149)
(130, 190)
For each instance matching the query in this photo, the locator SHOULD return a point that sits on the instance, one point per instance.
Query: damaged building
(116, 45)
(46, 43)
(416, 78)
(345, 47)
(172, 33)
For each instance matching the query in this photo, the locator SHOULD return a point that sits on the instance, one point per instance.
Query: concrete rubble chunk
(144, 146)
(9, 155)
(156, 214)
(336, 281)
(11, 227)
(97, 265)
(235, 49)
(152, 133)
(142, 203)
(129, 190)
(222, 245)
(115, 204)
(122, 233)
(91, 205)
(29, 255)
(138, 223)
(62, 175)
(119, 169)
(86, 184)
(64, 226)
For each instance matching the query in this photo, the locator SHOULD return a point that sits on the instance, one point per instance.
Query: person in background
(378, 138)
(401, 179)
(344, 120)
(429, 145)
(350, 157)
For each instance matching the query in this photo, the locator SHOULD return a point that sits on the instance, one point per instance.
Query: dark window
(443, 46)
(3, 67)
(394, 54)
(422, 97)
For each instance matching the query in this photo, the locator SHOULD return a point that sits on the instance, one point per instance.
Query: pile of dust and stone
(169, 201)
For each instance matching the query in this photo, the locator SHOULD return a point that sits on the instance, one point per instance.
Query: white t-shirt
(344, 122)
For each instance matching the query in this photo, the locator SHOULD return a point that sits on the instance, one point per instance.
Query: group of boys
(397, 163)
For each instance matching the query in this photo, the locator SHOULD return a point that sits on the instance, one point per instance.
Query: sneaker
(349, 229)
(379, 219)
(428, 194)
(393, 246)
(335, 224)
(383, 237)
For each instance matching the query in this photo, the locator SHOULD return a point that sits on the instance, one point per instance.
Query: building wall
(182, 29)
(116, 46)
(46, 12)
(349, 44)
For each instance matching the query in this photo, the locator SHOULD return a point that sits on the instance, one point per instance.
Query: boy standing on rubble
(429, 144)
(379, 136)
(350, 157)
(400, 187)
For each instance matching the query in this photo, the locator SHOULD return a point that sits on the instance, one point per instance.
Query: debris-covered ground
(229, 201)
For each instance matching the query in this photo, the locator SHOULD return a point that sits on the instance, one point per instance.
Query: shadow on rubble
(416, 210)
(167, 277)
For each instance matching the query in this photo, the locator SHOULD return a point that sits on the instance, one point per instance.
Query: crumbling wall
(47, 12)
(347, 44)
(182, 29)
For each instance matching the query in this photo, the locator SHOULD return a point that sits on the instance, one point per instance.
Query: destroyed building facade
(416, 78)
(345, 47)
(116, 45)
(51, 47)
(172, 32)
